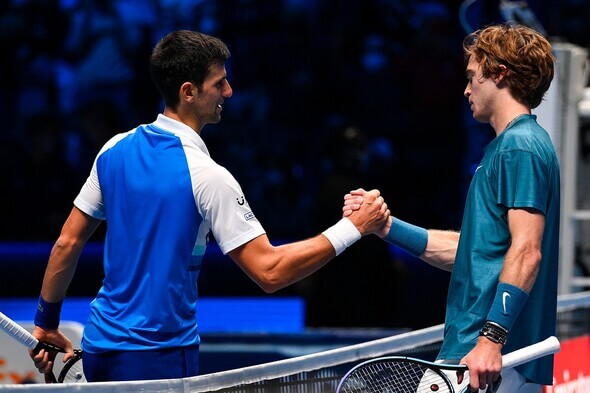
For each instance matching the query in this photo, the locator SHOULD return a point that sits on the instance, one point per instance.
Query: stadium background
(328, 96)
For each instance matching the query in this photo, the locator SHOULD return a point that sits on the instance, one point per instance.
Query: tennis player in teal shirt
(503, 289)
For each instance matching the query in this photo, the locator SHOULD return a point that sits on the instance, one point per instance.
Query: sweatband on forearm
(410, 238)
(508, 302)
(47, 315)
(342, 235)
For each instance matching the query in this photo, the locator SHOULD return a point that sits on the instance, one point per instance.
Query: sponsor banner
(571, 372)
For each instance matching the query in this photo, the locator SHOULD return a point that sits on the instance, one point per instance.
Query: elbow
(270, 282)
(67, 243)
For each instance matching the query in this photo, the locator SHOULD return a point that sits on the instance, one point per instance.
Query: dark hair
(525, 53)
(184, 56)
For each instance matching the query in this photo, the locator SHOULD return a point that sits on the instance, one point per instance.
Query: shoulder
(115, 140)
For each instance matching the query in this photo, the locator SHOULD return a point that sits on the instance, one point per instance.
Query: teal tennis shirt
(519, 169)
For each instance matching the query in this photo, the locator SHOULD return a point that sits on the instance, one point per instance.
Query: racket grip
(48, 347)
(542, 348)
(18, 332)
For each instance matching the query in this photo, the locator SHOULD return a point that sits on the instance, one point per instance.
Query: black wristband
(494, 332)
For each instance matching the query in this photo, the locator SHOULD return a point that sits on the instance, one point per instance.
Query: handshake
(368, 212)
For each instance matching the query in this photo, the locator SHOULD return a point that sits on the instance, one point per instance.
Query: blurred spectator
(100, 50)
(350, 293)
(43, 192)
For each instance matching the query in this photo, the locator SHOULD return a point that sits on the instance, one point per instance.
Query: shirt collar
(180, 129)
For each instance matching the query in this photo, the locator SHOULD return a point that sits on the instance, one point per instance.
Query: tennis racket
(405, 374)
(72, 371)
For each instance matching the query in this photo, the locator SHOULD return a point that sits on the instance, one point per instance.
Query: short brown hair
(184, 56)
(525, 53)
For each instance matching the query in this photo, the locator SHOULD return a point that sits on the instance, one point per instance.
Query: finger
(346, 213)
(374, 192)
(354, 201)
(358, 191)
(69, 355)
(374, 199)
(474, 381)
(459, 377)
(47, 368)
(352, 207)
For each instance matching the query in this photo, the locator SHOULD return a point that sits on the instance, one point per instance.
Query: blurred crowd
(322, 90)
(328, 96)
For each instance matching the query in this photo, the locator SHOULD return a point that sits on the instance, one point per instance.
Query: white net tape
(269, 371)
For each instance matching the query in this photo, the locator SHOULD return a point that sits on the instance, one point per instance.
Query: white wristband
(342, 235)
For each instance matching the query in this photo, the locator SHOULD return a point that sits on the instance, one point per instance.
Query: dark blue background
(328, 96)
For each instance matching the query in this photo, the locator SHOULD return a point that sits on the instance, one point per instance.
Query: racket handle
(542, 348)
(48, 347)
(18, 332)
(24, 337)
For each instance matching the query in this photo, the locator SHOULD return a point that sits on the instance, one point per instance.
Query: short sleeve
(522, 180)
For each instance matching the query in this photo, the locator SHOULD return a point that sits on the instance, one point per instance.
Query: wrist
(507, 304)
(410, 238)
(342, 235)
(494, 332)
(48, 314)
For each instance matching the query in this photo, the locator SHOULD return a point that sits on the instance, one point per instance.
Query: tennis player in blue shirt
(503, 290)
(162, 196)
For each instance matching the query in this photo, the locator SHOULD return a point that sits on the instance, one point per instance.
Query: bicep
(252, 256)
(78, 227)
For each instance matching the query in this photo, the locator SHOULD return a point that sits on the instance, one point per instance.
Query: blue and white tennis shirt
(161, 195)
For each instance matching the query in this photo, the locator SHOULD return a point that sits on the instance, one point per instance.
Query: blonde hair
(525, 53)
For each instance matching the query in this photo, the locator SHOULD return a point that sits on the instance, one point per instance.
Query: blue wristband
(47, 315)
(508, 302)
(410, 238)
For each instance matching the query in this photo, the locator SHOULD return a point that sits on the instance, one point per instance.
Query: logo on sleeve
(505, 296)
(249, 216)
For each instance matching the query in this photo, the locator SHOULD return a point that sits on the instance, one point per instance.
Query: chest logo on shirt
(241, 201)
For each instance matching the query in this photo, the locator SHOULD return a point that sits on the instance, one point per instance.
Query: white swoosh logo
(505, 296)
(480, 166)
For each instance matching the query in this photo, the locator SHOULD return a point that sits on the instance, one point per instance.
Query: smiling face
(209, 97)
(480, 91)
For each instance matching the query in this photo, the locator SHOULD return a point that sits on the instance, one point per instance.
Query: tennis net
(318, 372)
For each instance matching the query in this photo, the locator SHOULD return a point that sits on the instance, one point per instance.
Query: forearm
(521, 266)
(276, 267)
(60, 269)
(435, 247)
(298, 260)
(441, 249)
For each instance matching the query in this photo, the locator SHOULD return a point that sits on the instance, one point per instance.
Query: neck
(188, 120)
(505, 120)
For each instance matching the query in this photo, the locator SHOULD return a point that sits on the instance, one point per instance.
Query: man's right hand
(371, 214)
(44, 359)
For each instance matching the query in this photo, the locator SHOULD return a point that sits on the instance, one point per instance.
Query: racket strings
(395, 377)
(73, 371)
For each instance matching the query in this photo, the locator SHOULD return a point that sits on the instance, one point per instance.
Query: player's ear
(501, 75)
(188, 92)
